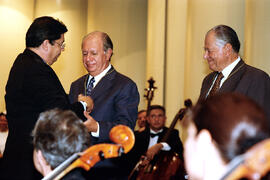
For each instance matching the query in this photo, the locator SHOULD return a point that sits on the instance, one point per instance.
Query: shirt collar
(226, 71)
(154, 132)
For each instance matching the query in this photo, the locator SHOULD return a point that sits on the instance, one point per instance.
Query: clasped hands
(91, 124)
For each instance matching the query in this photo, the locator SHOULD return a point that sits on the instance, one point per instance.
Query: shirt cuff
(84, 105)
(96, 134)
(165, 147)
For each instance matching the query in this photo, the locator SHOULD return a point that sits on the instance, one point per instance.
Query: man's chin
(213, 68)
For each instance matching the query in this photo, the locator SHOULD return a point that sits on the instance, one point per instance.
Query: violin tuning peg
(121, 151)
(101, 155)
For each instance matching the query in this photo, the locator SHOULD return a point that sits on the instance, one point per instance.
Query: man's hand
(152, 151)
(144, 161)
(90, 123)
(88, 100)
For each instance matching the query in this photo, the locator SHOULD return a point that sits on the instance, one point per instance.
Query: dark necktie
(216, 85)
(90, 86)
(154, 135)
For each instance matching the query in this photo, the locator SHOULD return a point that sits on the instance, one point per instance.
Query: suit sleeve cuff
(84, 104)
(96, 134)
(165, 147)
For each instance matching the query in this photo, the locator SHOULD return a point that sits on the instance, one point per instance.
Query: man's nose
(205, 55)
(89, 58)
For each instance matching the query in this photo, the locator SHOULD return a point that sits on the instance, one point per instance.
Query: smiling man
(230, 73)
(115, 96)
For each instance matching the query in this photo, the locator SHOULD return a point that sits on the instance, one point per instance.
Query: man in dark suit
(115, 97)
(222, 54)
(148, 143)
(32, 88)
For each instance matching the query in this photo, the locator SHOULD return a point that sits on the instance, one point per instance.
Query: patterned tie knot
(216, 85)
(90, 86)
(92, 80)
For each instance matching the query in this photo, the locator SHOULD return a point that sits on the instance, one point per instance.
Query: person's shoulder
(209, 77)
(24, 58)
(29, 63)
(254, 72)
(142, 134)
(123, 79)
(80, 79)
(173, 130)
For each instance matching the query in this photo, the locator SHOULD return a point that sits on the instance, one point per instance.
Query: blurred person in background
(221, 128)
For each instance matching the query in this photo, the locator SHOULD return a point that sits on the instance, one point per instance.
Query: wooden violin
(121, 135)
(254, 164)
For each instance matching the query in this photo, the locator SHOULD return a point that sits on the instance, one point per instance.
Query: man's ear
(228, 49)
(204, 139)
(45, 45)
(40, 157)
(108, 54)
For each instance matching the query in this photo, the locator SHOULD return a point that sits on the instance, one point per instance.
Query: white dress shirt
(226, 72)
(154, 140)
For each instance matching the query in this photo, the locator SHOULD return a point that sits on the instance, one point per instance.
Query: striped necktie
(90, 86)
(216, 85)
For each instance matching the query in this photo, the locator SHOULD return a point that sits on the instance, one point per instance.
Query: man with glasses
(33, 87)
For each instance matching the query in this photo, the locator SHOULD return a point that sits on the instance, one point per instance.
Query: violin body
(168, 166)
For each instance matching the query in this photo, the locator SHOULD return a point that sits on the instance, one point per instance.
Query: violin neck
(179, 115)
(234, 164)
(61, 167)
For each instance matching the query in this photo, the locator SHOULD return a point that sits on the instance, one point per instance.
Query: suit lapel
(83, 85)
(207, 85)
(104, 84)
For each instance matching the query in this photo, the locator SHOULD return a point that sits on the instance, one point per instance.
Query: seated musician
(148, 142)
(57, 135)
(219, 129)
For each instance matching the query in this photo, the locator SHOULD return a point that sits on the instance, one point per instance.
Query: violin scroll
(181, 113)
(150, 92)
(121, 135)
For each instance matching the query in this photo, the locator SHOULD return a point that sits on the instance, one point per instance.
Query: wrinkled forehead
(92, 41)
